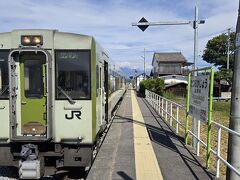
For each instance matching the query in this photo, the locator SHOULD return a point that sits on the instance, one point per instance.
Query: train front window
(4, 82)
(72, 74)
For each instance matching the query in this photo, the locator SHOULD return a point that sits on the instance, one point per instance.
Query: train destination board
(199, 93)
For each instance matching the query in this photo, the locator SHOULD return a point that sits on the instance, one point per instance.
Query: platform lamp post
(143, 24)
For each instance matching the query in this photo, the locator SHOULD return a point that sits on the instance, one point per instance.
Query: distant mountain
(127, 72)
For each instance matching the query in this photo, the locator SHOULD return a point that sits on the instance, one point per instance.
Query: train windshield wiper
(66, 95)
(4, 90)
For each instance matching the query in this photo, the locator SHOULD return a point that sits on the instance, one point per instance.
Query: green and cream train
(57, 94)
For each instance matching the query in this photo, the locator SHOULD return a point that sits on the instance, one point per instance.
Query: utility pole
(228, 47)
(233, 140)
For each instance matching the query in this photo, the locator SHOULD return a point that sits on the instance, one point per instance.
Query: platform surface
(140, 145)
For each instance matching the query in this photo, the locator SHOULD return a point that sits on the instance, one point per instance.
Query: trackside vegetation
(155, 85)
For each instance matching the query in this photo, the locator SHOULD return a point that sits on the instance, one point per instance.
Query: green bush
(155, 85)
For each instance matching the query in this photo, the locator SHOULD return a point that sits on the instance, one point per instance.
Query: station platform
(140, 145)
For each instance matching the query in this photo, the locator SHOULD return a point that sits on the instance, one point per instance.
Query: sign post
(199, 101)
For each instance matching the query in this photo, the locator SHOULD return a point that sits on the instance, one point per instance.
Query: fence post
(149, 95)
(162, 107)
(187, 108)
(166, 110)
(198, 136)
(159, 97)
(152, 99)
(210, 118)
(171, 114)
(177, 118)
(218, 152)
(155, 101)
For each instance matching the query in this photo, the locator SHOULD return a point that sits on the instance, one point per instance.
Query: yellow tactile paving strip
(145, 160)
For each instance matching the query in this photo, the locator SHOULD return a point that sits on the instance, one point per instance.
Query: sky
(109, 21)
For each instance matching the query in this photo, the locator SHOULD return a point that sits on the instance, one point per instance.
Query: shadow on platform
(164, 136)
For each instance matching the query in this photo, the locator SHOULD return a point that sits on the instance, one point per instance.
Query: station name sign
(199, 93)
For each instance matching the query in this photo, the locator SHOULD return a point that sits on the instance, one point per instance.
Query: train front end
(47, 103)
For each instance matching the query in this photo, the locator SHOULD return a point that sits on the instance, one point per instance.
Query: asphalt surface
(116, 160)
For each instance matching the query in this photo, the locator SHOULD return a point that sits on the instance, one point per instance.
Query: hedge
(155, 85)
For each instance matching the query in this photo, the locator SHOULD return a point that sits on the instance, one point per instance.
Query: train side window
(4, 80)
(73, 74)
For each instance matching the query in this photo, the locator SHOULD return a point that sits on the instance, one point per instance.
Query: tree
(216, 54)
(216, 50)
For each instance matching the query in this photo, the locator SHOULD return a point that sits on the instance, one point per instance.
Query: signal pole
(144, 63)
(233, 140)
(144, 58)
(195, 27)
(143, 24)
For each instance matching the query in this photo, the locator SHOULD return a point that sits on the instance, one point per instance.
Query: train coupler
(29, 165)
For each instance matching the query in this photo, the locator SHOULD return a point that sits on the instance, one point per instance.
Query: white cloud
(110, 22)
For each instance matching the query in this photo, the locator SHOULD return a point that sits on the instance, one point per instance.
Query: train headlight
(37, 39)
(31, 40)
(26, 40)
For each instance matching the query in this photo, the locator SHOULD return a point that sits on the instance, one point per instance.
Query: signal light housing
(29, 40)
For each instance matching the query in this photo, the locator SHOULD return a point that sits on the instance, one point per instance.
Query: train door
(101, 100)
(30, 94)
(33, 93)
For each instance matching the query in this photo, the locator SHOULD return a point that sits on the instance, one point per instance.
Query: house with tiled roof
(169, 63)
(172, 67)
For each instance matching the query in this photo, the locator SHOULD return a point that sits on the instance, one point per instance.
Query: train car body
(57, 94)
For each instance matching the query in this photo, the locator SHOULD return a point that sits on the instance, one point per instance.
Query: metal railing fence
(169, 111)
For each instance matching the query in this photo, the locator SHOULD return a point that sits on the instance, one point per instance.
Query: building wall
(169, 68)
(178, 90)
(161, 69)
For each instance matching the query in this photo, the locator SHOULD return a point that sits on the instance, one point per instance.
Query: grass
(221, 112)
